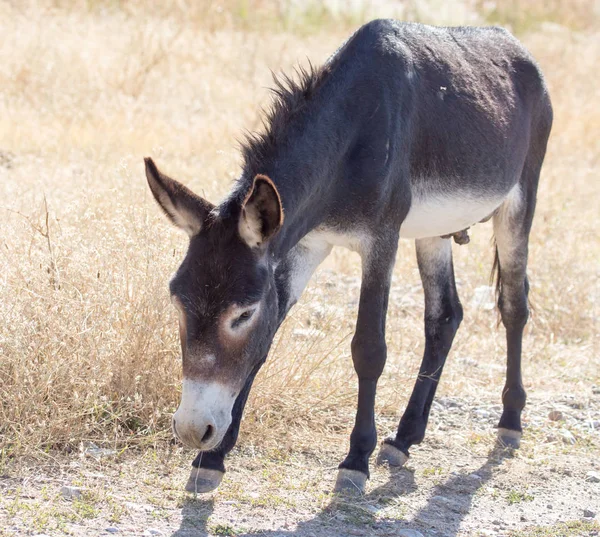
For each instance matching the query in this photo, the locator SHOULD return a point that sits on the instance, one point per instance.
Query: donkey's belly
(434, 215)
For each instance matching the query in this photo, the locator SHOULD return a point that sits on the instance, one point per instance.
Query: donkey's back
(448, 118)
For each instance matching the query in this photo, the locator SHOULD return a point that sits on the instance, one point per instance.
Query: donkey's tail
(495, 276)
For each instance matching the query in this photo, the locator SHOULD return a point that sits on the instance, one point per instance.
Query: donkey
(406, 131)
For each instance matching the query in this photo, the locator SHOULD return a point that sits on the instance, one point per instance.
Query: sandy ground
(456, 484)
(88, 339)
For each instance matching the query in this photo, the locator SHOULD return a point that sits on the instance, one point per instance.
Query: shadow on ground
(443, 514)
(195, 513)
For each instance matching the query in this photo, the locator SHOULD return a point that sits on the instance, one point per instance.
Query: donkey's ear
(262, 214)
(184, 208)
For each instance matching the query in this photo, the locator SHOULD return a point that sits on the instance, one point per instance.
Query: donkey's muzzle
(204, 414)
(196, 437)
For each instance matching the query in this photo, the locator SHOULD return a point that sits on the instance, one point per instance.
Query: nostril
(208, 434)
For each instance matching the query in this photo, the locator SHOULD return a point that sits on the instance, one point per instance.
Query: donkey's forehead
(220, 274)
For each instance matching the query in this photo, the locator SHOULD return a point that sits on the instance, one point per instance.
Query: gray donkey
(407, 131)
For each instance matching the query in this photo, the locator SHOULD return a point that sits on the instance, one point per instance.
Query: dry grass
(88, 347)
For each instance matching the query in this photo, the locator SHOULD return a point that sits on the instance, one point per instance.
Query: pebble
(555, 415)
(567, 437)
(152, 531)
(484, 298)
(480, 413)
(112, 530)
(588, 514)
(549, 506)
(409, 533)
(71, 493)
(592, 477)
(92, 450)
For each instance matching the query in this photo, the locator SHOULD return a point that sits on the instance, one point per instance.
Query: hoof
(350, 481)
(509, 438)
(203, 480)
(392, 455)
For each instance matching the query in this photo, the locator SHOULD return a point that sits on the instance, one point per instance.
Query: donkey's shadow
(195, 513)
(440, 512)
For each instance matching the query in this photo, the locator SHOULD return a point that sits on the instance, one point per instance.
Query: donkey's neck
(305, 168)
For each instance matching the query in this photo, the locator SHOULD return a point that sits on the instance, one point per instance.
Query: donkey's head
(224, 292)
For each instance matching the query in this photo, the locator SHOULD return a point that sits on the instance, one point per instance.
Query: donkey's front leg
(368, 354)
(208, 467)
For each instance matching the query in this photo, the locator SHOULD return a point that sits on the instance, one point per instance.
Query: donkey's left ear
(184, 208)
(262, 214)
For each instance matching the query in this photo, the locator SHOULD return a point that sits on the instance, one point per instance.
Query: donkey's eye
(244, 316)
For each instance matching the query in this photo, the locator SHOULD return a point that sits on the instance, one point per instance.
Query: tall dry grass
(88, 340)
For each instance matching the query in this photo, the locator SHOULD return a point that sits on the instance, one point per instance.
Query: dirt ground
(89, 353)
(457, 483)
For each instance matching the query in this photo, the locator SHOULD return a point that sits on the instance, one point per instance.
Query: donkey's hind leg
(512, 223)
(443, 315)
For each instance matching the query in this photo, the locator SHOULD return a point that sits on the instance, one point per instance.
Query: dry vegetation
(88, 339)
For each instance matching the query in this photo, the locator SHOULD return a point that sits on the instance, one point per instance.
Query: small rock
(481, 413)
(409, 533)
(71, 493)
(588, 514)
(496, 523)
(549, 506)
(592, 477)
(152, 531)
(567, 437)
(475, 476)
(92, 450)
(523, 518)
(555, 415)
(484, 298)
(596, 390)
(112, 530)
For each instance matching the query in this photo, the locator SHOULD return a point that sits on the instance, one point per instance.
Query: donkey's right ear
(184, 208)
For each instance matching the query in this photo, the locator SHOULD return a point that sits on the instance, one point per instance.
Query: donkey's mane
(290, 96)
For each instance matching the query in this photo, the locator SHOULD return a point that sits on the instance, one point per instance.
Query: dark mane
(290, 96)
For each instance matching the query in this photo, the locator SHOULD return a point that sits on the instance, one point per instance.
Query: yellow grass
(88, 339)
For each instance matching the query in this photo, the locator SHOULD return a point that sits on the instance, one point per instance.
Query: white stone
(409, 533)
(592, 477)
(71, 493)
(484, 298)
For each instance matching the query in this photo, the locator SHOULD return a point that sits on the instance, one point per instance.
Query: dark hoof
(350, 481)
(203, 480)
(509, 438)
(391, 455)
